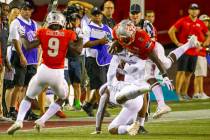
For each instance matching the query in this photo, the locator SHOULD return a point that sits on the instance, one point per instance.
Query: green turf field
(194, 126)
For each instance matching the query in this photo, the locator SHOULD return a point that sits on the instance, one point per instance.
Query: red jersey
(187, 27)
(142, 45)
(54, 46)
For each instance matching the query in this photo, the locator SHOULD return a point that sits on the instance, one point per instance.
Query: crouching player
(54, 41)
(126, 121)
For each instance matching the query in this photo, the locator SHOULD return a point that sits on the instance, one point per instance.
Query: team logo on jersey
(198, 25)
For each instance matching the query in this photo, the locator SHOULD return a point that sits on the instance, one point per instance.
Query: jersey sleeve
(72, 36)
(39, 33)
(178, 24)
(145, 42)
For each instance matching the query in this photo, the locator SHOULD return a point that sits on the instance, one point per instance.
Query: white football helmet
(126, 31)
(56, 17)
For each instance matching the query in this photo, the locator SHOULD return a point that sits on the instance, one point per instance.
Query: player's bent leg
(61, 90)
(121, 124)
(131, 92)
(33, 90)
(53, 108)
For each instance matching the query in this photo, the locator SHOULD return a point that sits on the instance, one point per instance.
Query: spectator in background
(9, 71)
(201, 69)
(108, 11)
(95, 40)
(150, 16)
(24, 62)
(3, 47)
(14, 12)
(73, 73)
(85, 12)
(186, 27)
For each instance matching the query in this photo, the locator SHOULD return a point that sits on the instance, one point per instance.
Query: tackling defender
(54, 41)
(120, 92)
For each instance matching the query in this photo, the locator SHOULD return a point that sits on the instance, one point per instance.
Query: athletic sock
(53, 108)
(181, 50)
(24, 107)
(158, 92)
(77, 103)
(142, 120)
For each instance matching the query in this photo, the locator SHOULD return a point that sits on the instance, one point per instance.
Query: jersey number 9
(53, 45)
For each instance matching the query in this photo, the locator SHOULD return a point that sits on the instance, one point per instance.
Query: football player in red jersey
(137, 41)
(54, 41)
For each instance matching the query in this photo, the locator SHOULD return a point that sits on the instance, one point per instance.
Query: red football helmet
(126, 31)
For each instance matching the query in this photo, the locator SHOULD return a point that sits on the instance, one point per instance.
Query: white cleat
(161, 111)
(193, 40)
(16, 126)
(133, 128)
(6, 119)
(38, 126)
(204, 96)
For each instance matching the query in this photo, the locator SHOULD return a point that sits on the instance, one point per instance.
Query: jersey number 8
(53, 45)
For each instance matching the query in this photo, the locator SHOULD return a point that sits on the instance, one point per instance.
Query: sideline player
(54, 41)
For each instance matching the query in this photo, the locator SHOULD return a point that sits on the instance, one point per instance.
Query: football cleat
(38, 125)
(161, 111)
(142, 130)
(16, 126)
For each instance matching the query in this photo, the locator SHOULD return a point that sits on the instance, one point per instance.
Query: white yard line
(172, 116)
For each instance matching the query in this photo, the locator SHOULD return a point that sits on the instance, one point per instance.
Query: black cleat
(13, 115)
(142, 130)
(32, 117)
(87, 107)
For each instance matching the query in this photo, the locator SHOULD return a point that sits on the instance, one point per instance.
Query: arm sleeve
(111, 74)
(73, 36)
(101, 109)
(149, 28)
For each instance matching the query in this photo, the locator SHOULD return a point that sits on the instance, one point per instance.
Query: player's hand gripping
(167, 82)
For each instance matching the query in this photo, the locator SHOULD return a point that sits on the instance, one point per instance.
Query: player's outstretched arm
(101, 109)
